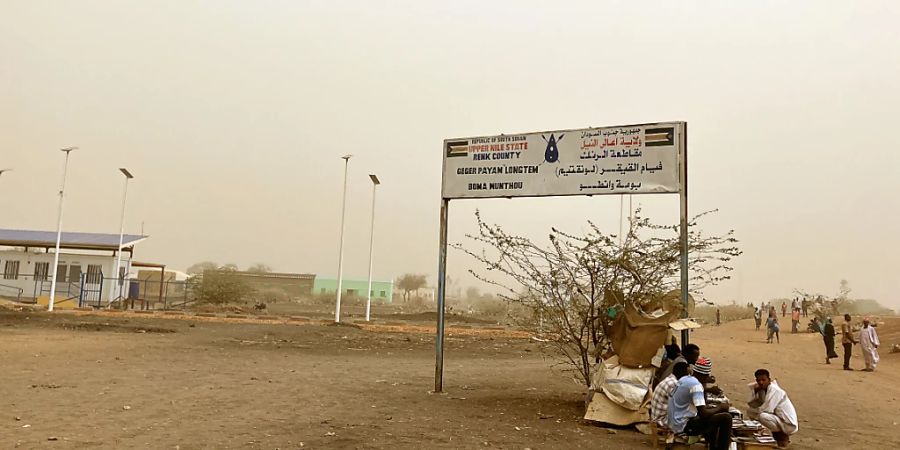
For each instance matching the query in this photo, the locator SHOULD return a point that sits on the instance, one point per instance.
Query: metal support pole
(630, 212)
(621, 215)
(441, 294)
(119, 279)
(683, 194)
(371, 251)
(337, 306)
(59, 215)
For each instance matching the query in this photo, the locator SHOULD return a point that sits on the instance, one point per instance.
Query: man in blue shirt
(688, 414)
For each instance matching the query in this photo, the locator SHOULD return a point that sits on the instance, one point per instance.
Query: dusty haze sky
(233, 116)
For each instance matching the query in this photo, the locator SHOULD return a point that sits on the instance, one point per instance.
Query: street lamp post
(120, 279)
(375, 184)
(59, 218)
(337, 306)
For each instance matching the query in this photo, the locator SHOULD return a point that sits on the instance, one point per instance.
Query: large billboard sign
(631, 159)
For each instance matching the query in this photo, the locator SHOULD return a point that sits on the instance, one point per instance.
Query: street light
(120, 279)
(62, 191)
(375, 184)
(337, 306)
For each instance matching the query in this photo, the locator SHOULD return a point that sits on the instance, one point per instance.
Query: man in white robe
(868, 341)
(770, 405)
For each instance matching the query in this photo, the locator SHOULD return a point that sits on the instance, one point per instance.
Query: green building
(382, 291)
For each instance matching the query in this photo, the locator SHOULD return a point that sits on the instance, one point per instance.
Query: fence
(97, 291)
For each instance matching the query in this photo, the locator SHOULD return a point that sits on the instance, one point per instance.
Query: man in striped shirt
(659, 402)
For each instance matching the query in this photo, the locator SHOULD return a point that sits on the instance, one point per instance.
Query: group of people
(773, 329)
(687, 401)
(867, 338)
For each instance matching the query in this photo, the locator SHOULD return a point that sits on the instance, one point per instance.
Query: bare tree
(259, 268)
(411, 282)
(574, 286)
(200, 267)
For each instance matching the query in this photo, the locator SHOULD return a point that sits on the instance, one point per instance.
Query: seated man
(770, 405)
(659, 402)
(703, 373)
(689, 414)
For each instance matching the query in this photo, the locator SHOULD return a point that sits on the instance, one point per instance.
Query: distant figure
(804, 305)
(718, 317)
(757, 316)
(828, 336)
(772, 328)
(795, 303)
(770, 405)
(847, 340)
(783, 309)
(795, 321)
(868, 341)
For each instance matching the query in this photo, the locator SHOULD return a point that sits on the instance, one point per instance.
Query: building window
(352, 291)
(11, 270)
(94, 274)
(322, 291)
(41, 271)
(61, 273)
(74, 274)
(383, 294)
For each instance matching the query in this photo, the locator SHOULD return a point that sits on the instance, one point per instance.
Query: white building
(85, 271)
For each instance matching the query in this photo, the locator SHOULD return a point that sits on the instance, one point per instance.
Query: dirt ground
(107, 381)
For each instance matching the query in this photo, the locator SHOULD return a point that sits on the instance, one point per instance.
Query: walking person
(757, 316)
(805, 306)
(718, 317)
(783, 309)
(795, 321)
(847, 340)
(828, 337)
(868, 342)
(772, 328)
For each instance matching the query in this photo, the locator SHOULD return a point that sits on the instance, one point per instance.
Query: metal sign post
(630, 159)
(683, 228)
(441, 299)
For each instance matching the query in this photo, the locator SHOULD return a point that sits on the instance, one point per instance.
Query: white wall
(28, 259)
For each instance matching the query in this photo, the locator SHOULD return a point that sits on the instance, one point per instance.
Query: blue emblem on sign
(551, 154)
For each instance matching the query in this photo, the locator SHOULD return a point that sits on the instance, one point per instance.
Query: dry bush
(219, 287)
(568, 286)
(707, 314)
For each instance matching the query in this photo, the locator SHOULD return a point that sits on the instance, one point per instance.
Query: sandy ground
(142, 382)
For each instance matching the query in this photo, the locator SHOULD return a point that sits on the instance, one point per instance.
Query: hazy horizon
(233, 117)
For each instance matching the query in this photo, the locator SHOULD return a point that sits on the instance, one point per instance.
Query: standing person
(805, 306)
(757, 316)
(688, 413)
(868, 341)
(718, 317)
(847, 340)
(783, 309)
(772, 328)
(795, 320)
(828, 336)
(770, 405)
